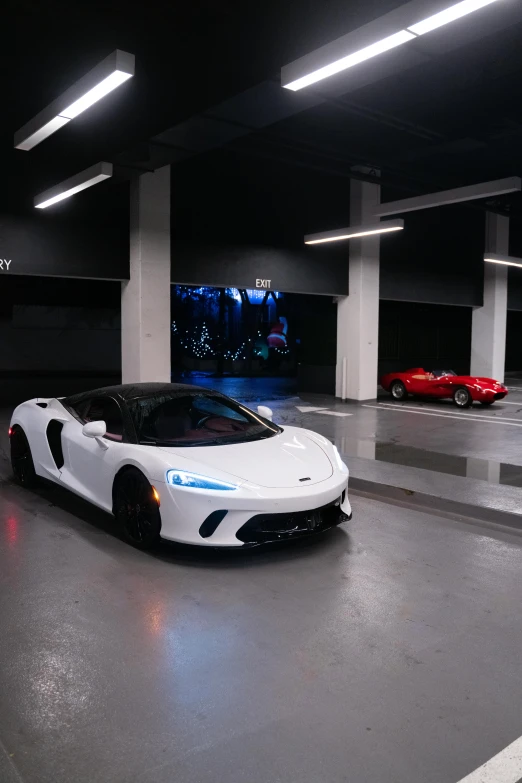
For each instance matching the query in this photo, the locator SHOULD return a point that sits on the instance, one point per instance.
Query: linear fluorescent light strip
(93, 176)
(504, 260)
(100, 91)
(360, 231)
(391, 42)
(105, 85)
(449, 15)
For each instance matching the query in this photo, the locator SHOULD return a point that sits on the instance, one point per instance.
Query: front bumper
(252, 515)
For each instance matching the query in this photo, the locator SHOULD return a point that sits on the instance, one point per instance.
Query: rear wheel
(136, 509)
(398, 391)
(462, 398)
(22, 459)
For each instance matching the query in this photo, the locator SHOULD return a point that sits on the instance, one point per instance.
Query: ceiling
(207, 83)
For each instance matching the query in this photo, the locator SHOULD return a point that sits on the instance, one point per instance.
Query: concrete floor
(385, 650)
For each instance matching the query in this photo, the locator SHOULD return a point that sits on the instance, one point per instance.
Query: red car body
(440, 384)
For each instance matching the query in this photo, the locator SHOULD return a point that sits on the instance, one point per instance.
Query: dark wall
(86, 240)
(57, 336)
(514, 341)
(438, 258)
(422, 335)
(514, 288)
(236, 220)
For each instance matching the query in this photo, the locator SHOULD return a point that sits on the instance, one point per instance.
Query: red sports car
(464, 389)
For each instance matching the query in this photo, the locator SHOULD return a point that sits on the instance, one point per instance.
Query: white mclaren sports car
(182, 463)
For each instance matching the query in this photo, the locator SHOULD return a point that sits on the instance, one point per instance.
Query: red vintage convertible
(440, 384)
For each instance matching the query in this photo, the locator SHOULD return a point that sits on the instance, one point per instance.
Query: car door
(419, 382)
(89, 465)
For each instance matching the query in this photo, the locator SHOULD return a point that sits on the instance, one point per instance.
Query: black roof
(133, 391)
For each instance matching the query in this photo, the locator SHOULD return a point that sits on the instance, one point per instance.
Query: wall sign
(5, 263)
(302, 271)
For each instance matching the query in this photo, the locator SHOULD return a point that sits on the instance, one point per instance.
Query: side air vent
(42, 404)
(54, 439)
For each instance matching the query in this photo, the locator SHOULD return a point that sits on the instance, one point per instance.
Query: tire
(137, 512)
(462, 397)
(22, 459)
(398, 391)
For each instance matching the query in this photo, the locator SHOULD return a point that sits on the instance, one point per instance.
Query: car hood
(279, 462)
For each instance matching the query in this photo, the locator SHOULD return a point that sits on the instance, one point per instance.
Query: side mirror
(265, 412)
(96, 429)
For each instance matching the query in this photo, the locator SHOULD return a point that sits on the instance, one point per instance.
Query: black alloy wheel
(462, 397)
(136, 509)
(22, 459)
(398, 391)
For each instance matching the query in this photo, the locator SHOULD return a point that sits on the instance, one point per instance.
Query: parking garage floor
(387, 649)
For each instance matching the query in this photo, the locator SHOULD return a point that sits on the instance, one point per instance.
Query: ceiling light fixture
(85, 179)
(354, 232)
(101, 80)
(350, 60)
(339, 55)
(448, 15)
(493, 258)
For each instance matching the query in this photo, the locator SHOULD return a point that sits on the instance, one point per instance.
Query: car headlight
(340, 464)
(182, 478)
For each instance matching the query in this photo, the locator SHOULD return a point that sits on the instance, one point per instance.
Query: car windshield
(196, 419)
(442, 373)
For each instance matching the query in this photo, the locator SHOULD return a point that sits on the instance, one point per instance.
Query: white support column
(488, 337)
(145, 300)
(358, 313)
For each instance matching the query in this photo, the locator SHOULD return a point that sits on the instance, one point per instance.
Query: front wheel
(22, 459)
(136, 509)
(462, 397)
(398, 391)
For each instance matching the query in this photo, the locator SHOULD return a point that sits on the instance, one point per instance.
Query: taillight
(10, 431)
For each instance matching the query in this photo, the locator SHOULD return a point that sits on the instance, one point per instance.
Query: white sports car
(183, 463)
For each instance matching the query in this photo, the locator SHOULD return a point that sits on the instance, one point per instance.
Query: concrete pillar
(488, 336)
(358, 313)
(145, 299)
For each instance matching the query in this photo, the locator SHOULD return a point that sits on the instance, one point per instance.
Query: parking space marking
(308, 409)
(334, 413)
(453, 413)
(505, 767)
(485, 419)
(506, 402)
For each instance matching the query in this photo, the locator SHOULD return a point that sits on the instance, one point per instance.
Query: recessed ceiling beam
(102, 79)
(498, 187)
(67, 188)
(353, 232)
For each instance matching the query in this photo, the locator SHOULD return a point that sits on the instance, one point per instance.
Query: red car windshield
(442, 373)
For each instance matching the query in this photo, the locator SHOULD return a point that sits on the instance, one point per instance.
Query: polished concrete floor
(385, 650)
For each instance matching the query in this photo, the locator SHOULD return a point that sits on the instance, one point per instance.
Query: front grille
(266, 528)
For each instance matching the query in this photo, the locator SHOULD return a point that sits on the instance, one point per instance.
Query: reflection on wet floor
(410, 456)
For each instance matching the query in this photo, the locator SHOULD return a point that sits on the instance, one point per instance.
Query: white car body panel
(268, 473)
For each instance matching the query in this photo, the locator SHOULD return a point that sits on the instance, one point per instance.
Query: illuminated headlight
(181, 478)
(340, 464)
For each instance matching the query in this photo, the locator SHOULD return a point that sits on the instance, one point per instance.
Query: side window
(107, 410)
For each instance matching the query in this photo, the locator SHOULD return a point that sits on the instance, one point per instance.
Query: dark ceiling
(455, 118)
